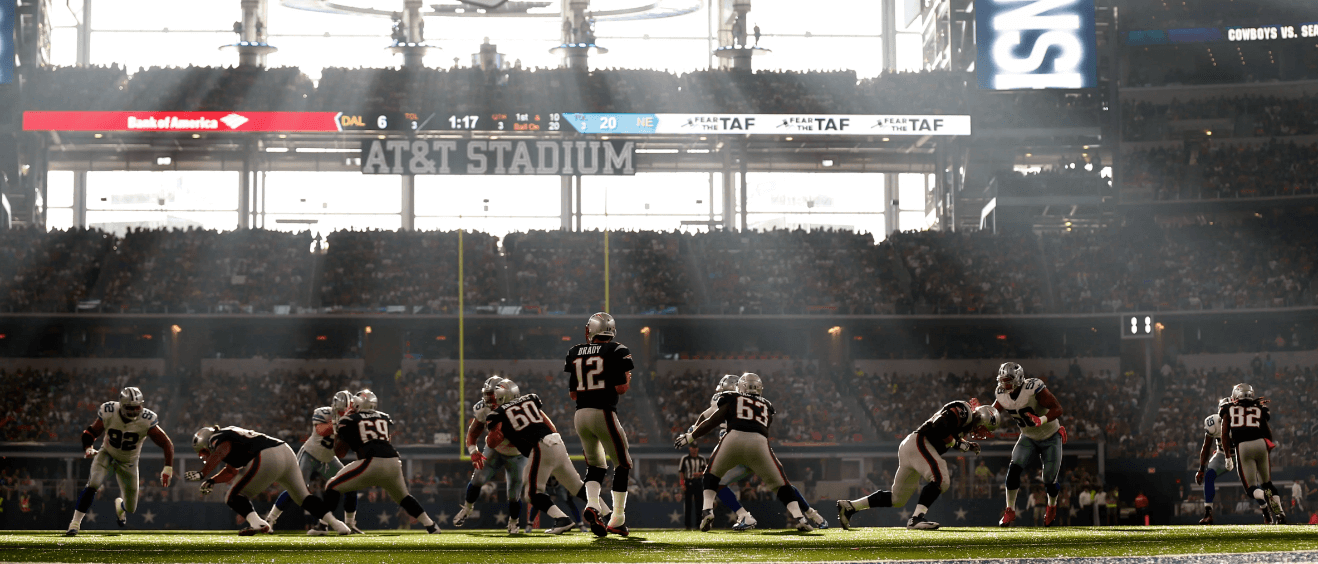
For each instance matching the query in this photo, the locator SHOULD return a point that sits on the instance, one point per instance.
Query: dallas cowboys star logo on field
(91, 517)
(732, 517)
(148, 517)
(442, 517)
(385, 517)
(500, 517)
(960, 514)
(905, 514)
(675, 517)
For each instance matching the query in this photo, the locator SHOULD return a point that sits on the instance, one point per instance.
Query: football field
(870, 544)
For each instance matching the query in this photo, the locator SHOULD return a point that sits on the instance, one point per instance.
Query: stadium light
(835, 330)
(175, 329)
(368, 329)
(826, 162)
(645, 331)
(164, 161)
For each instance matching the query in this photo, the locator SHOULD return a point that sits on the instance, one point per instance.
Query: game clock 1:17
(514, 121)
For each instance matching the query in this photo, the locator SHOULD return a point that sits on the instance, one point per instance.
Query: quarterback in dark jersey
(1247, 437)
(601, 370)
(262, 460)
(365, 431)
(748, 416)
(921, 456)
(521, 421)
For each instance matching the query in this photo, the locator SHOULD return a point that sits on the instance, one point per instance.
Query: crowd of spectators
(1166, 14)
(960, 272)
(1206, 171)
(277, 402)
(1248, 116)
(1071, 177)
(417, 269)
(45, 405)
(49, 271)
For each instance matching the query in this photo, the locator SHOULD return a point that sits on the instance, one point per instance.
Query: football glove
(478, 460)
(1199, 477)
(1062, 431)
(166, 475)
(192, 475)
(90, 452)
(1271, 445)
(1230, 464)
(967, 446)
(1032, 420)
(206, 486)
(683, 440)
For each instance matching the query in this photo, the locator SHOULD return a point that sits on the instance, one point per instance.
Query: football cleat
(249, 531)
(706, 520)
(1049, 515)
(121, 512)
(803, 524)
(745, 523)
(919, 522)
(72, 532)
(561, 525)
(844, 512)
(1208, 516)
(1278, 514)
(592, 517)
(513, 528)
(319, 530)
(1267, 515)
(1008, 515)
(620, 530)
(433, 529)
(352, 529)
(461, 517)
(816, 519)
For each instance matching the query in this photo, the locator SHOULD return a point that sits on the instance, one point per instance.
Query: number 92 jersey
(367, 434)
(1022, 401)
(123, 440)
(752, 414)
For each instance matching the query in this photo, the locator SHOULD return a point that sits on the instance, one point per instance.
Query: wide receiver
(1217, 465)
(1247, 436)
(921, 456)
(124, 423)
(317, 457)
(601, 370)
(495, 456)
(261, 460)
(1036, 411)
(748, 416)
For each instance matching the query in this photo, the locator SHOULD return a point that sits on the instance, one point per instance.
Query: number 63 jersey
(123, 440)
(752, 414)
(367, 434)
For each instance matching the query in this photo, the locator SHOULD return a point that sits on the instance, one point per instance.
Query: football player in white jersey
(1217, 465)
(1035, 410)
(495, 456)
(317, 457)
(125, 423)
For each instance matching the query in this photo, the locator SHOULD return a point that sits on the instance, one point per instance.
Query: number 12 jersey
(595, 369)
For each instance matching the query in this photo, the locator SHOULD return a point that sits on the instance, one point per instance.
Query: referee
(692, 472)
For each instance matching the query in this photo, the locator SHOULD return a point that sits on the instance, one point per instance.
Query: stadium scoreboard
(520, 122)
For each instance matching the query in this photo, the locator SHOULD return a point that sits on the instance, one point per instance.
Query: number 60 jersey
(521, 422)
(123, 439)
(367, 434)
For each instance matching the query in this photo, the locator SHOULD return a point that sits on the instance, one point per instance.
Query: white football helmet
(340, 402)
(1011, 376)
(750, 383)
(1242, 391)
(130, 403)
(506, 391)
(487, 389)
(985, 420)
(201, 441)
(365, 400)
(728, 383)
(512, 386)
(601, 325)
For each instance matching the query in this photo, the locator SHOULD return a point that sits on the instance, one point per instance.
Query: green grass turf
(648, 545)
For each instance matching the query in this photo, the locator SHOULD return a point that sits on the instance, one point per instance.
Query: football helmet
(487, 389)
(130, 403)
(1242, 391)
(1010, 376)
(728, 383)
(601, 325)
(505, 392)
(984, 421)
(339, 403)
(511, 385)
(750, 383)
(365, 400)
(201, 441)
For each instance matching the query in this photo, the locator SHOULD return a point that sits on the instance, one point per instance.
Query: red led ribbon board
(182, 122)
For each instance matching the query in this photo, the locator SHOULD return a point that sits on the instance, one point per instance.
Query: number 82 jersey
(123, 440)
(367, 434)
(749, 413)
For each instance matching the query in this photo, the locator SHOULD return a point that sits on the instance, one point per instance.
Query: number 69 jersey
(367, 434)
(123, 440)
(752, 414)
(1022, 401)
(522, 422)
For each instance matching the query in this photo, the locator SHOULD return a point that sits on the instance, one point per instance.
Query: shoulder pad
(321, 415)
(1212, 422)
(479, 405)
(535, 398)
(621, 348)
(148, 415)
(1038, 384)
(722, 398)
(109, 407)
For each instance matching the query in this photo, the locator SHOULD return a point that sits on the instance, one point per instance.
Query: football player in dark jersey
(1247, 437)
(366, 430)
(921, 456)
(495, 456)
(748, 416)
(601, 370)
(520, 420)
(262, 460)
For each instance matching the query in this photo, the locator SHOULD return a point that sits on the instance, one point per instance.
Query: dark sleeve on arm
(714, 420)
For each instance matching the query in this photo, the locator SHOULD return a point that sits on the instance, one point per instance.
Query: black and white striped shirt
(691, 467)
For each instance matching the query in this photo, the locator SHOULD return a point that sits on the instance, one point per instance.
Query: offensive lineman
(921, 456)
(748, 416)
(366, 431)
(1247, 436)
(317, 457)
(520, 420)
(601, 370)
(1041, 435)
(745, 521)
(1211, 468)
(124, 423)
(495, 456)
(267, 460)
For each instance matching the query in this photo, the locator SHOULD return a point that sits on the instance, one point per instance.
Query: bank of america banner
(1031, 44)
(768, 124)
(497, 157)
